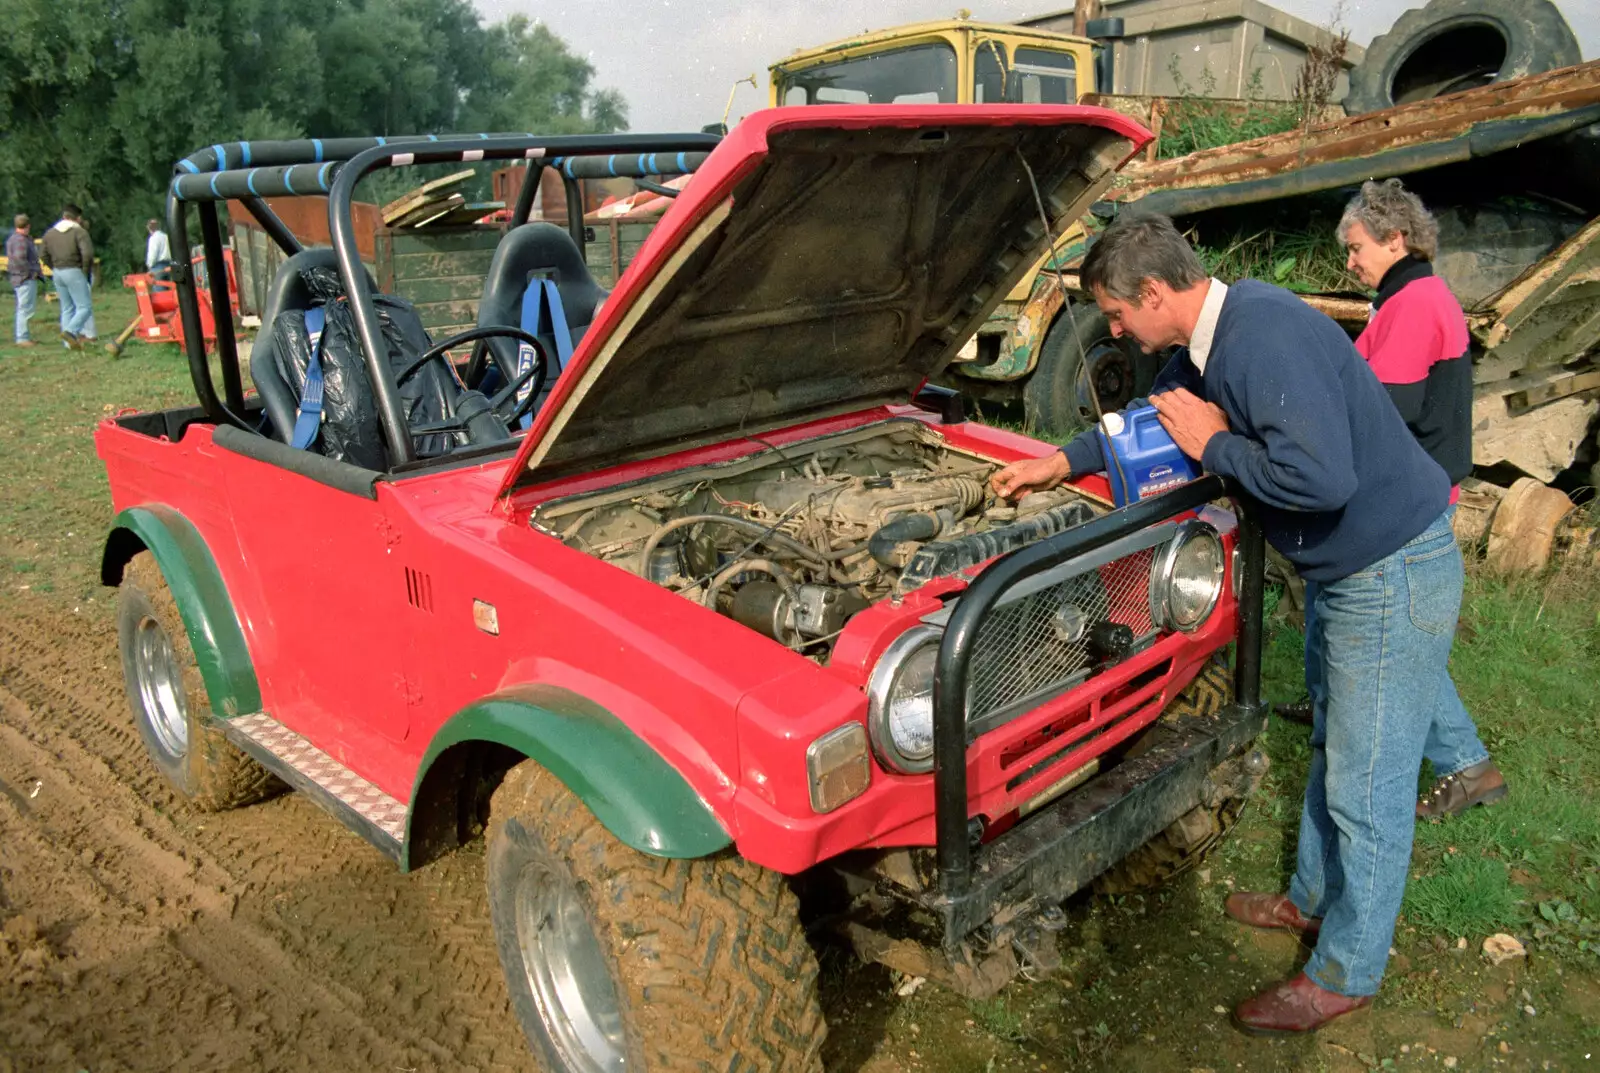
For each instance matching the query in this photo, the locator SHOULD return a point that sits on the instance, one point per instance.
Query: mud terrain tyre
(620, 961)
(1452, 45)
(170, 705)
(1190, 838)
(1056, 399)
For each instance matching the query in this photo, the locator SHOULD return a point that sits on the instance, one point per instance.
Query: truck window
(988, 78)
(1040, 76)
(921, 74)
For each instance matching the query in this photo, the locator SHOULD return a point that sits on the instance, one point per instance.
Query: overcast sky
(676, 60)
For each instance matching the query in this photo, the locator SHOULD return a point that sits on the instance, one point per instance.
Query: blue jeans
(73, 288)
(1453, 744)
(26, 293)
(1383, 639)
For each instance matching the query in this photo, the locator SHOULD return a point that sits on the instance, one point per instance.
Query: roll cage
(249, 172)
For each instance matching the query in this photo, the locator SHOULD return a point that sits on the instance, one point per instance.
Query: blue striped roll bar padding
(634, 165)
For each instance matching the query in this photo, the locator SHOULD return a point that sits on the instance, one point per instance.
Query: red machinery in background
(159, 321)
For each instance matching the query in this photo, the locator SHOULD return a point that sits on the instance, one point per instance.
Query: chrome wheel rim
(567, 973)
(161, 687)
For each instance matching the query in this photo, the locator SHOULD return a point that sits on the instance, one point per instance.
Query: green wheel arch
(630, 788)
(202, 598)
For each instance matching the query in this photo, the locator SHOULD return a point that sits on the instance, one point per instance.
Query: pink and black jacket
(1416, 343)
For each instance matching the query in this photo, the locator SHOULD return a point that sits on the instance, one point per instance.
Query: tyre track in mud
(136, 933)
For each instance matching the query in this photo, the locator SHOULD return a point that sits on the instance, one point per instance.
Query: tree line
(103, 96)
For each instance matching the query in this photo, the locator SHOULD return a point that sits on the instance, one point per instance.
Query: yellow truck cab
(953, 61)
(1061, 362)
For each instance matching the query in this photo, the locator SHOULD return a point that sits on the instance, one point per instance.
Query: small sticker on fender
(485, 617)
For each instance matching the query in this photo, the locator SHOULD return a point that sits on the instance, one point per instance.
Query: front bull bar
(1028, 867)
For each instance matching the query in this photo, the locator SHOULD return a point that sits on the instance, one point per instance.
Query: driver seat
(527, 255)
(350, 430)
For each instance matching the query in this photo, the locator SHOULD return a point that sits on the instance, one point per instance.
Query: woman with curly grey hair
(1416, 343)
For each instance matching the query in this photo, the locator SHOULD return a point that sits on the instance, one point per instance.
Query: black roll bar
(954, 844)
(250, 171)
(452, 150)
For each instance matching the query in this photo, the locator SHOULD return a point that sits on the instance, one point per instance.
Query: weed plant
(1203, 121)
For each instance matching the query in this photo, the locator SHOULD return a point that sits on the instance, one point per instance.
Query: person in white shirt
(157, 250)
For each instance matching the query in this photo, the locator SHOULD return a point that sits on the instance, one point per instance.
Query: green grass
(55, 505)
(1197, 120)
(1525, 665)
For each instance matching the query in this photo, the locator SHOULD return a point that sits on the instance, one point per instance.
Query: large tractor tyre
(1190, 838)
(620, 961)
(1452, 45)
(1057, 398)
(170, 705)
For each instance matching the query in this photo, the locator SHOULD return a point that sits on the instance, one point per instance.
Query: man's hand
(1030, 475)
(1190, 421)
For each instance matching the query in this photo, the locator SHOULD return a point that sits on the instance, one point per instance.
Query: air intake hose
(896, 541)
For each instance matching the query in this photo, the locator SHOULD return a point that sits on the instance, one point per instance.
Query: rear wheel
(1190, 838)
(620, 961)
(169, 700)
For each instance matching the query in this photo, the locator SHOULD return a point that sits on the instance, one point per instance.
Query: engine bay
(794, 541)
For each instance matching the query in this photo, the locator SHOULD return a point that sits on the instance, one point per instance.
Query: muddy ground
(137, 934)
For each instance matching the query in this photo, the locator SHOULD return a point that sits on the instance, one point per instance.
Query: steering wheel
(484, 420)
(472, 411)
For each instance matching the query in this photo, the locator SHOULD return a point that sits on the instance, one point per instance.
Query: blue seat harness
(308, 417)
(542, 314)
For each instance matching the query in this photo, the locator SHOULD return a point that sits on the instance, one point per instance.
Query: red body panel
(358, 613)
(348, 658)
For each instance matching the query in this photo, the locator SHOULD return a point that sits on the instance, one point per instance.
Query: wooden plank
(452, 289)
(418, 266)
(1520, 402)
(476, 238)
(428, 211)
(468, 214)
(427, 191)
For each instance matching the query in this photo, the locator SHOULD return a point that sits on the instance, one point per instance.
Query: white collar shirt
(1205, 329)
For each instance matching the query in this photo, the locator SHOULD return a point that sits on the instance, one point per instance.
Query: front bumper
(1046, 859)
(1052, 855)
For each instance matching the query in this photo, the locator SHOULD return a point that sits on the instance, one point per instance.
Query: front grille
(1034, 647)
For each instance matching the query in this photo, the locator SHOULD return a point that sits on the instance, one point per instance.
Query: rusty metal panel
(1396, 141)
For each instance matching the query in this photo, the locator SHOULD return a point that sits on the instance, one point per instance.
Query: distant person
(70, 255)
(157, 250)
(22, 264)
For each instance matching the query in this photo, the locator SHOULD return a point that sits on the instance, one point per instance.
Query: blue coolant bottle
(1141, 459)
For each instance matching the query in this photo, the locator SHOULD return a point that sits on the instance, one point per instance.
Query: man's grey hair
(21, 220)
(1386, 209)
(1139, 248)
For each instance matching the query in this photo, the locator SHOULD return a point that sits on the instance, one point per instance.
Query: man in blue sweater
(1272, 394)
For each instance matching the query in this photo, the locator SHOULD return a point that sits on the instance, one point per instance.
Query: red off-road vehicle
(736, 617)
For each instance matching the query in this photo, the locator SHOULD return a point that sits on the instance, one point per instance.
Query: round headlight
(1186, 580)
(900, 701)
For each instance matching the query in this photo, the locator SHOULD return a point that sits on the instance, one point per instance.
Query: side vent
(419, 590)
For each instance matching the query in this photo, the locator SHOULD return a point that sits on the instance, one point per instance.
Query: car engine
(793, 541)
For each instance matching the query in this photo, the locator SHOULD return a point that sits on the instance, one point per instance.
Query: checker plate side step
(361, 806)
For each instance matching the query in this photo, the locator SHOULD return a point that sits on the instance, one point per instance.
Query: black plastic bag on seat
(350, 430)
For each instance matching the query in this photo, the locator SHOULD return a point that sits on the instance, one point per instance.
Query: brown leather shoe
(1480, 784)
(1298, 1005)
(1299, 711)
(1261, 910)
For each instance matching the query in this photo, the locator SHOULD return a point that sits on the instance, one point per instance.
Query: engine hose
(740, 566)
(767, 534)
(886, 543)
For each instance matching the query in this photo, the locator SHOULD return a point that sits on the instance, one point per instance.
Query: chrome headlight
(900, 701)
(1186, 580)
